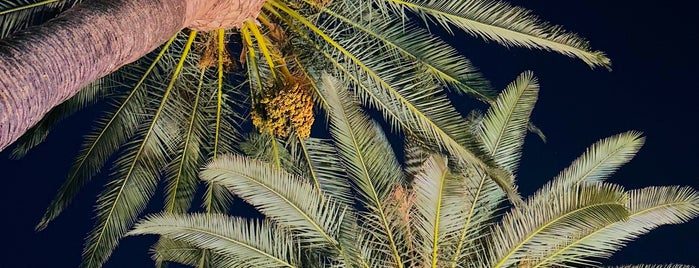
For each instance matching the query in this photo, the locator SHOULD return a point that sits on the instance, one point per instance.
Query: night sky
(652, 89)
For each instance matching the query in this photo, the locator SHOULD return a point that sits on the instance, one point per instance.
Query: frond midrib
(546, 225)
(374, 194)
(437, 216)
(580, 240)
(187, 139)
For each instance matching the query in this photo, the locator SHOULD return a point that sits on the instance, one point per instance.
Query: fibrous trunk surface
(45, 65)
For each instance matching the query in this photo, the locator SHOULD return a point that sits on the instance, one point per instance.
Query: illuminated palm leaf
(254, 244)
(503, 23)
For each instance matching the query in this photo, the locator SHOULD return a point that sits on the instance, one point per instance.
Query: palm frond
(602, 159)
(504, 127)
(437, 210)
(282, 197)
(366, 156)
(136, 174)
(321, 164)
(181, 173)
(503, 23)
(649, 208)
(405, 40)
(538, 226)
(19, 14)
(502, 131)
(481, 199)
(243, 242)
(114, 131)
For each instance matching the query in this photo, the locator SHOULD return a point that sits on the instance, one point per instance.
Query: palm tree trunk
(45, 65)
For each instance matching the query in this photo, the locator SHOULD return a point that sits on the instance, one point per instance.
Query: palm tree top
(179, 107)
(433, 213)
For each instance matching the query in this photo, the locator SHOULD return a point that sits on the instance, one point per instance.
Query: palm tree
(434, 214)
(178, 106)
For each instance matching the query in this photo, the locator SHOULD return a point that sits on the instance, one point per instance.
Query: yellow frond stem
(262, 44)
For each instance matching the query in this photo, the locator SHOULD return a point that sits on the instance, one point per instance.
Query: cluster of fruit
(288, 109)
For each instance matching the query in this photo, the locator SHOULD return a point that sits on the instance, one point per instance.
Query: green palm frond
(405, 40)
(251, 243)
(505, 124)
(367, 157)
(320, 162)
(284, 198)
(136, 174)
(181, 173)
(19, 14)
(482, 200)
(502, 23)
(502, 132)
(538, 226)
(602, 159)
(648, 208)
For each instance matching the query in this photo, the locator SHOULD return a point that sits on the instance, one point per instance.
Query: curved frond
(367, 157)
(284, 198)
(437, 209)
(181, 173)
(406, 40)
(504, 127)
(538, 226)
(502, 131)
(602, 159)
(242, 242)
(649, 208)
(503, 23)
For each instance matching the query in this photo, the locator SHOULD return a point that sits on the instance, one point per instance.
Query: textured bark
(208, 15)
(45, 65)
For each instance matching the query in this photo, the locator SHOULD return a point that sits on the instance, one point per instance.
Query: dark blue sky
(652, 88)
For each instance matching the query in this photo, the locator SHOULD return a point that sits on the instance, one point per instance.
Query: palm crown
(369, 213)
(178, 107)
